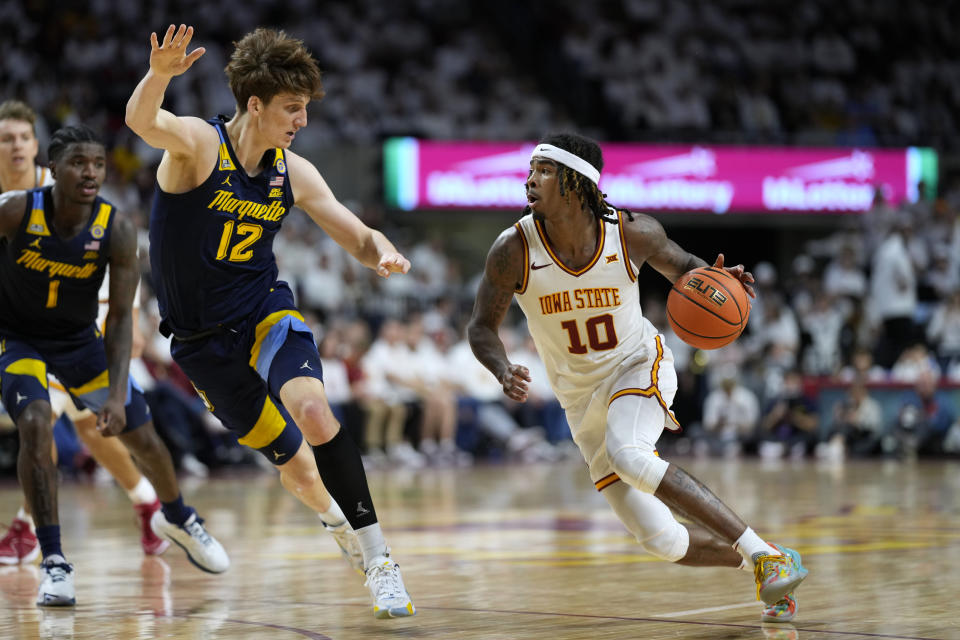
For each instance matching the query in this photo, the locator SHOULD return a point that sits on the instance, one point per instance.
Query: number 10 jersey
(585, 322)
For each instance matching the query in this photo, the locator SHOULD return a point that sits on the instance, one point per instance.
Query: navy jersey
(48, 285)
(211, 248)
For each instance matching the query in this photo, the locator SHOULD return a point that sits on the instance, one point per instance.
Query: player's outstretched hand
(738, 272)
(515, 382)
(170, 58)
(392, 263)
(112, 418)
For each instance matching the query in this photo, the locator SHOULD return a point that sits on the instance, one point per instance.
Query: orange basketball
(708, 308)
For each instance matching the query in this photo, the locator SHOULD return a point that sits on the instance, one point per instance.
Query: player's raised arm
(367, 245)
(158, 127)
(13, 205)
(501, 277)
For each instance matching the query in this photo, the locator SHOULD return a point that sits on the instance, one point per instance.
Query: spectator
(790, 423)
(858, 422)
(730, 415)
(893, 289)
(943, 332)
(925, 419)
(386, 371)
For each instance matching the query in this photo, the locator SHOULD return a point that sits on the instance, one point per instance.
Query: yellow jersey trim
(101, 381)
(29, 367)
(269, 425)
(263, 328)
(38, 223)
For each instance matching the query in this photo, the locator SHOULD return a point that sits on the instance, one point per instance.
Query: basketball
(708, 308)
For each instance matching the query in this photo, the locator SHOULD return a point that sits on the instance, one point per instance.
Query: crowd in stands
(781, 71)
(853, 350)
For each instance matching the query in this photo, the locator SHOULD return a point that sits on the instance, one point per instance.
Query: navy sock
(49, 538)
(342, 472)
(176, 512)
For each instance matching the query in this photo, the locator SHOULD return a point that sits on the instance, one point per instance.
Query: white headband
(575, 162)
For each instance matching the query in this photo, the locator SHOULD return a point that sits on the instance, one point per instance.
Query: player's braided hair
(65, 136)
(574, 182)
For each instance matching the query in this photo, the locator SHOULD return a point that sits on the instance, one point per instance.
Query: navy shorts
(79, 362)
(239, 372)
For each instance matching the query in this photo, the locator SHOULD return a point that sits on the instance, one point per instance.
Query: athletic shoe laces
(767, 565)
(196, 531)
(386, 581)
(58, 572)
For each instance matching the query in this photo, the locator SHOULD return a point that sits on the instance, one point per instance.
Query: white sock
(372, 543)
(143, 492)
(26, 517)
(333, 517)
(750, 544)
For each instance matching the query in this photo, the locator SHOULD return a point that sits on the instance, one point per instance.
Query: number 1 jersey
(48, 285)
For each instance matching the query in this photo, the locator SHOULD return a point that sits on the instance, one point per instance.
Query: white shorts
(61, 402)
(652, 380)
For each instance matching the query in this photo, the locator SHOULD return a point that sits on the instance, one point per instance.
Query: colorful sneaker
(349, 544)
(56, 588)
(777, 576)
(202, 549)
(782, 610)
(153, 545)
(390, 597)
(20, 544)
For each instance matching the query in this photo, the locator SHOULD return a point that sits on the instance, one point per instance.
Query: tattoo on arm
(493, 300)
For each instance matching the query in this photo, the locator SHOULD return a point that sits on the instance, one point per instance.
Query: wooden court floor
(515, 552)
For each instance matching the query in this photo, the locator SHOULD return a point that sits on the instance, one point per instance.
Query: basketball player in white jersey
(572, 262)
(19, 171)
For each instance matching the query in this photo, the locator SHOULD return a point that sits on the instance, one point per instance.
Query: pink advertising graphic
(441, 175)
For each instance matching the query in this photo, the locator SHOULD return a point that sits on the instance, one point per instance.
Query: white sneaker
(349, 544)
(390, 597)
(202, 549)
(56, 588)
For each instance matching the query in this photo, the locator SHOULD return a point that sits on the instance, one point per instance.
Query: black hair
(65, 136)
(589, 192)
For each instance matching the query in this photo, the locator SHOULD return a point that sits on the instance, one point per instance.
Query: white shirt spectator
(336, 383)
(731, 412)
(470, 376)
(894, 284)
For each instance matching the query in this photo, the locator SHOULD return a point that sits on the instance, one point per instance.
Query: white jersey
(585, 322)
(43, 178)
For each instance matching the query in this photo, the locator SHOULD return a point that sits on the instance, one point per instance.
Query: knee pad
(638, 466)
(634, 423)
(670, 543)
(649, 520)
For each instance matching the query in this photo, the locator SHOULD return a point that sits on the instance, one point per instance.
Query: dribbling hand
(739, 272)
(170, 58)
(516, 382)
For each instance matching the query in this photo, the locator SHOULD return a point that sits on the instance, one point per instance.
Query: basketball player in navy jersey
(18, 171)
(224, 187)
(572, 263)
(57, 244)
